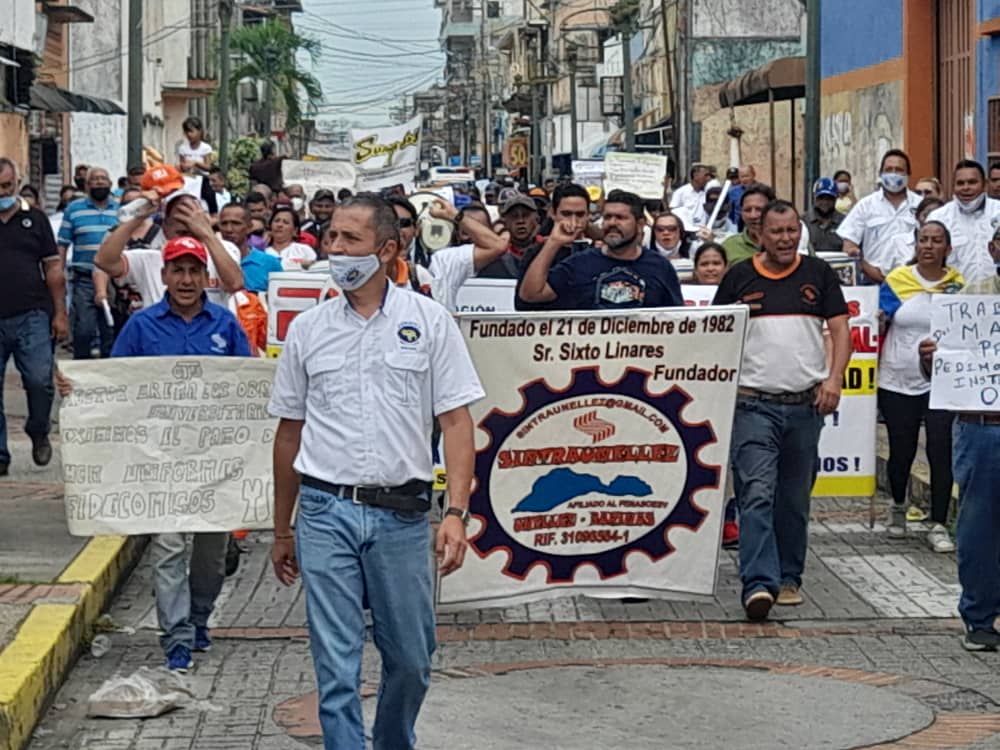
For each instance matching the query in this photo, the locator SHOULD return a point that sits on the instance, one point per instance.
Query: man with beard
(321, 208)
(620, 275)
(85, 223)
(823, 218)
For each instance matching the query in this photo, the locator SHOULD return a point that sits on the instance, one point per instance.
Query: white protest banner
(486, 295)
(590, 173)
(698, 295)
(601, 453)
(288, 294)
(388, 156)
(967, 360)
(847, 442)
(641, 174)
(166, 444)
(317, 175)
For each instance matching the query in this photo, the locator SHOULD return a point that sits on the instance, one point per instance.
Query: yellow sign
(859, 379)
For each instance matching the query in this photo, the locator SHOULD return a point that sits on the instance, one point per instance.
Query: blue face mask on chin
(7, 202)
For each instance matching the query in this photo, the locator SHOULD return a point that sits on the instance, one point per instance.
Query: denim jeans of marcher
(87, 320)
(346, 552)
(28, 338)
(188, 573)
(774, 458)
(976, 465)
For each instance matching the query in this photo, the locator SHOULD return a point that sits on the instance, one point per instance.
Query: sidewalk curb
(35, 663)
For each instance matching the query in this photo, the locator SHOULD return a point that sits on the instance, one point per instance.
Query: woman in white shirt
(194, 156)
(904, 390)
(284, 229)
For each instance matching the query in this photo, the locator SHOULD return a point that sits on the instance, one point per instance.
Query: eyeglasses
(405, 223)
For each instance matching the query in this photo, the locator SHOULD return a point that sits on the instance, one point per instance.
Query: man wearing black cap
(321, 208)
(823, 218)
(520, 216)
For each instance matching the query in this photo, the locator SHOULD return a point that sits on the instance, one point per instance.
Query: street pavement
(872, 659)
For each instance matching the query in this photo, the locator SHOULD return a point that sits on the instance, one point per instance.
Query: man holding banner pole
(358, 384)
(785, 390)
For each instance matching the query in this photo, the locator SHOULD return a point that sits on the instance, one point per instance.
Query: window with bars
(993, 129)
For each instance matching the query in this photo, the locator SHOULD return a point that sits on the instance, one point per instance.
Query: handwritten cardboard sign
(167, 444)
(966, 371)
(641, 174)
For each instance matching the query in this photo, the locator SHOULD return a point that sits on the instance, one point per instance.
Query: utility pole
(813, 104)
(624, 20)
(571, 58)
(225, 21)
(484, 66)
(134, 150)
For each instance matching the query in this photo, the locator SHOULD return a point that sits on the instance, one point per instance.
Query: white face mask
(970, 207)
(893, 182)
(298, 203)
(351, 272)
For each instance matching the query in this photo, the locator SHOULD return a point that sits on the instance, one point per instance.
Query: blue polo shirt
(84, 226)
(257, 266)
(158, 331)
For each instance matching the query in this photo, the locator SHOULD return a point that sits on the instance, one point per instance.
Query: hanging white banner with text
(601, 452)
(167, 444)
(385, 157)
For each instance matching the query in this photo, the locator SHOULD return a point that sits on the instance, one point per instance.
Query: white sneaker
(896, 527)
(939, 539)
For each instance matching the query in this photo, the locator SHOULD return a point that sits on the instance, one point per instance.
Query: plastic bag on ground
(143, 694)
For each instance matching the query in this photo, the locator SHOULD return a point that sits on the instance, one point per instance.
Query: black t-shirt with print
(811, 289)
(27, 241)
(592, 280)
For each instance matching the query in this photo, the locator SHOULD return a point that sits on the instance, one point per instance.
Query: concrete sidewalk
(52, 585)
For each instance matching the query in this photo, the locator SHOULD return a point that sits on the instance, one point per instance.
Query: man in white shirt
(452, 266)
(360, 379)
(691, 197)
(971, 217)
(873, 222)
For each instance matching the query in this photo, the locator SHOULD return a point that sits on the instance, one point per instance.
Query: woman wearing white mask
(876, 219)
(845, 191)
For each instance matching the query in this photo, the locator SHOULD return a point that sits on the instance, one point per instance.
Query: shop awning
(784, 78)
(50, 98)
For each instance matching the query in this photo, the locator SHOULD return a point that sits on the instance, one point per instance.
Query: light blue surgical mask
(7, 202)
(893, 182)
(351, 272)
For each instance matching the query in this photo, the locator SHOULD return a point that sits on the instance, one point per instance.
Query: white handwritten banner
(847, 442)
(388, 156)
(601, 452)
(320, 174)
(164, 444)
(641, 174)
(967, 361)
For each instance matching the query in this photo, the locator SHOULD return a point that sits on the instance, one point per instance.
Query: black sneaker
(981, 640)
(758, 605)
(4, 470)
(41, 450)
(233, 551)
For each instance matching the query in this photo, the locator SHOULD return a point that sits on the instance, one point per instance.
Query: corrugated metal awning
(48, 98)
(785, 78)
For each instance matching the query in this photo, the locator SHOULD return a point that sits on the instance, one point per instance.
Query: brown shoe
(789, 596)
(757, 605)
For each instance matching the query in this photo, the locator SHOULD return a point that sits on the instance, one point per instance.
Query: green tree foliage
(242, 152)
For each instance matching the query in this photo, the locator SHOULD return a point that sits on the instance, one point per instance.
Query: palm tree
(268, 53)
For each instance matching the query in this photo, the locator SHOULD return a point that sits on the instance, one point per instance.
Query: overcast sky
(374, 51)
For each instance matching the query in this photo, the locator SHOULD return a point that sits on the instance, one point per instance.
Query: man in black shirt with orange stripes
(786, 389)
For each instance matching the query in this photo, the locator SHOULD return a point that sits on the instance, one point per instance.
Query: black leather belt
(990, 418)
(793, 398)
(414, 495)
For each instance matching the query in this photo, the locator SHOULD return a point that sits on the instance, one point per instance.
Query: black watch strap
(461, 513)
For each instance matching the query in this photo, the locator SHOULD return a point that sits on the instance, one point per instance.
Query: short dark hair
(28, 188)
(696, 168)
(971, 164)
(711, 246)
(384, 221)
(136, 171)
(899, 153)
(841, 173)
(343, 194)
(215, 169)
(404, 203)
(192, 123)
(758, 188)
(778, 207)
(926, 203)
(254, 197)
(241, 207)
(994, 165)
(284, 208)
(473, 207)
(266, 149)
(568, 190)
(633, 201)
(654, 205)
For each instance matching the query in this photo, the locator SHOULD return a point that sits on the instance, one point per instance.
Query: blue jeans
(87, 321)
(774, 457)
(348, 553)
(188, 573)
(28, 338)
(977, 535)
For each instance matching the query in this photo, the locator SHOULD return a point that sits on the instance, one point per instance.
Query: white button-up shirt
(971, 234)
(368, 389)
(873, 222)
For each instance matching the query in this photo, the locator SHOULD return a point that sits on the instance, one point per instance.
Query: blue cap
(825, 186)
